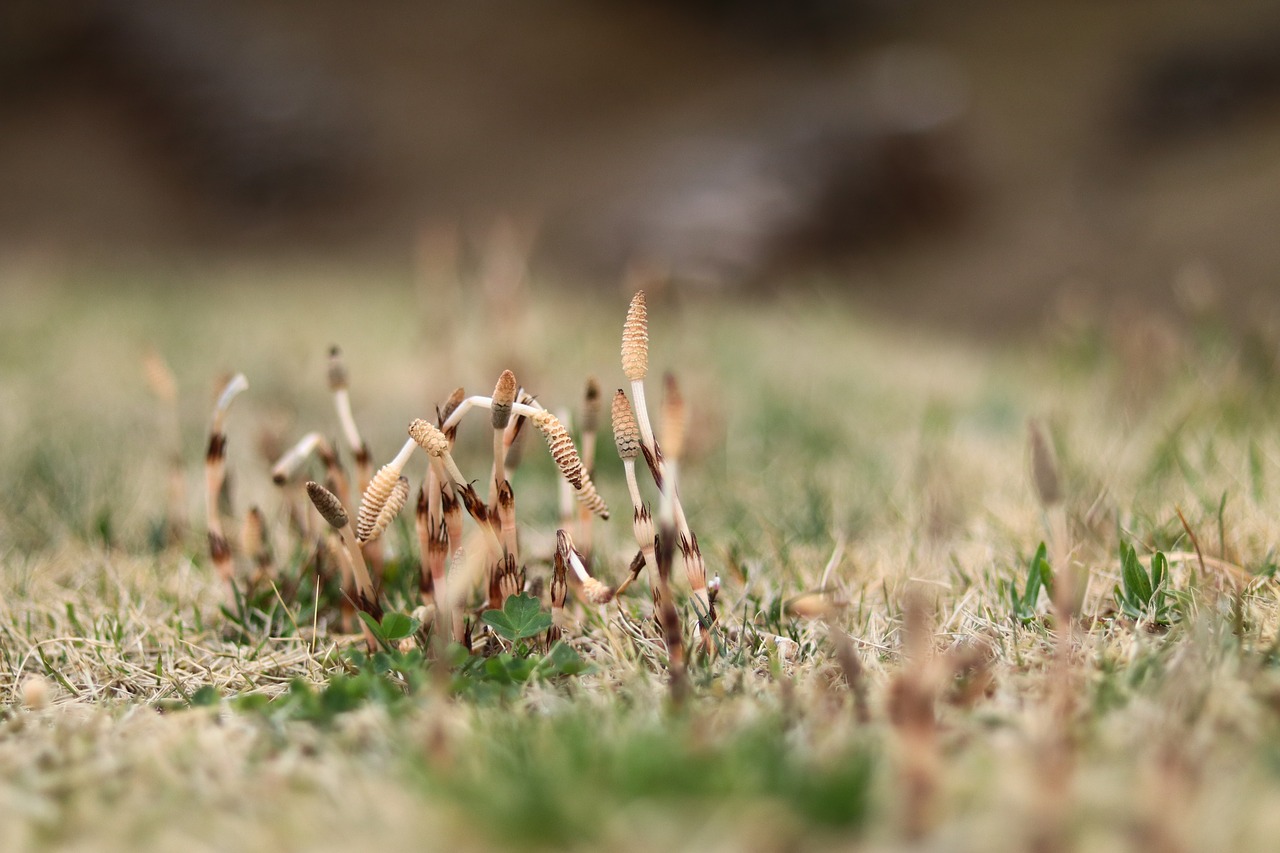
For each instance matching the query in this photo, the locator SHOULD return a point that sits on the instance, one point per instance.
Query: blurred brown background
(976, 161)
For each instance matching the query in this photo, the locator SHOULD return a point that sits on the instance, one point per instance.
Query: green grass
(825, 448)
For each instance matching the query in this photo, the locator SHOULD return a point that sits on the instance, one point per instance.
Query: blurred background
(982, 164)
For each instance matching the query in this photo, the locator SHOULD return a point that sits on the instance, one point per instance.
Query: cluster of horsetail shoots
(454, 564)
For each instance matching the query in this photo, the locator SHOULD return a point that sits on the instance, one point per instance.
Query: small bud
(504, 395)
(328, 505)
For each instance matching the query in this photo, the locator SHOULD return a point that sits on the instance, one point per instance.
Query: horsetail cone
(626, 434)
(635, 340)
(450, 406)
(596, 592)
(374, 499)
(561, 447)
(429, 437)
(590, 498)
(328, 505)
(504, 395)
(395, 502)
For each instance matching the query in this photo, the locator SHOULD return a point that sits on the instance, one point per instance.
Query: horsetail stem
(215, 476)
(504, 397)
(295, 457)
(590, 426)
(431, 439)
(338, 384)
(674, 419)
(593, 590)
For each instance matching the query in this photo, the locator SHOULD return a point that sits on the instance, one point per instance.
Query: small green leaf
(372, 625)
(1137, 583)
(1159, 570)
(563, 660)
(397, 626)
(520, 618)
(1035, 578)
(205, 697)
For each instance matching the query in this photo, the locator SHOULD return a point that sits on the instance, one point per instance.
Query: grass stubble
(843, 689)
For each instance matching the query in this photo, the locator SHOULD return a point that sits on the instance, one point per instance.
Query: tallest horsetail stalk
(342, 403)
(635, 366)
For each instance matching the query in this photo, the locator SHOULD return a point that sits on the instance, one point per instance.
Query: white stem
(455, 473)
(295, 456)
(578, 569)
(669, 483)
(499, 463)
(642, 414)
(363, 581)
(629, 465)
(402, 458)
(342, 400)
(233, 388)
(469, 403)
(566, 493)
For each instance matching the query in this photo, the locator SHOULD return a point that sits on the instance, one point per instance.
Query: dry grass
(844, 479)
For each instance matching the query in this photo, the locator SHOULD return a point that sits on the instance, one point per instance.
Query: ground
(845, 475)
